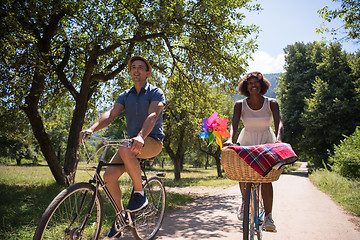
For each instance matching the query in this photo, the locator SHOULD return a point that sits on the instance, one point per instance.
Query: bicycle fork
(77, 232)
(258, 212)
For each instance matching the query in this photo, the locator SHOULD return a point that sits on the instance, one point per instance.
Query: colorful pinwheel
(214, 128)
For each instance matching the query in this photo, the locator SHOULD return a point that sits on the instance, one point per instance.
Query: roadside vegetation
(342, 179)
(342, 190)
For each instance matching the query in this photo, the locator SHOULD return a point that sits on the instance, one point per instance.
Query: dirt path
(300, 212)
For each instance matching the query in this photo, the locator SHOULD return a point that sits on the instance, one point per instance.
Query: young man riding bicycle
(143, 104)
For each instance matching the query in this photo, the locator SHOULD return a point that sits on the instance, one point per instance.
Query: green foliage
(346, 157)
(16, 139)
(189, 101)
(344, 191)
(295, 85)
(319, 99)
(70, 56)
(331, 111)
(349, 13)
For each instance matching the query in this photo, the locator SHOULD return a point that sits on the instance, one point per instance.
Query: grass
(26, 191)
(344, 191)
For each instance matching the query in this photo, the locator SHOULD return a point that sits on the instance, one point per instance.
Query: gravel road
(300, 212)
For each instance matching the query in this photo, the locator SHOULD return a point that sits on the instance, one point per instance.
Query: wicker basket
(238, 170)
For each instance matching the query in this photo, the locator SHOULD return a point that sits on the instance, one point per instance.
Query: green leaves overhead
(70, 56)
(349, 13)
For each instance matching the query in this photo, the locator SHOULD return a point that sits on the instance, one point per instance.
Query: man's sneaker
(240, 212)
(137, 202)
(269, 223)
(112, 233)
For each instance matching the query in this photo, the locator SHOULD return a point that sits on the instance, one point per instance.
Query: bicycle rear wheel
(147, 221)
(75, 213)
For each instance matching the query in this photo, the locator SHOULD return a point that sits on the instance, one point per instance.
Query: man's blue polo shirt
(137, 107)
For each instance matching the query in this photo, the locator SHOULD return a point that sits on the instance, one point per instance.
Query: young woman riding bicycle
(257, 112)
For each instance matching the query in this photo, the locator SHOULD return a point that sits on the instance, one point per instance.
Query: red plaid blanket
(263, 157)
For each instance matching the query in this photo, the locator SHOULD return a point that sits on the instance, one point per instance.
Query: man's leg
(132, 167)
(150, 149)
(111, 177)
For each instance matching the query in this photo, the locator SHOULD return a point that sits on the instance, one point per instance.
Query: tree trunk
(176, 160)
(31, 110)
(207, 162)
(72, 150)
(218, 162)
(216, 155)
(32, 99)
(18, 161)
(177, 169)
(177, 157)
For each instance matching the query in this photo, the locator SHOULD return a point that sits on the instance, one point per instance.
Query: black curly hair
(265, 84)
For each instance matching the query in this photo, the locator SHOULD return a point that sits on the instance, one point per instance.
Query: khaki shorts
(150, 149)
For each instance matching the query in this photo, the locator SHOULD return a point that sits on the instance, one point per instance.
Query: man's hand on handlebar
(137, 144)
(84, 135)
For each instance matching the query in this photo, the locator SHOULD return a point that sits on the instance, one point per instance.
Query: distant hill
(272, 78)
(271, 92)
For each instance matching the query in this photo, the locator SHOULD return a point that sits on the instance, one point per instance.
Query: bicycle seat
(148, 161)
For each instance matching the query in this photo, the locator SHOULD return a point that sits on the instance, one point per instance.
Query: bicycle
(77, 211)
(254, 212)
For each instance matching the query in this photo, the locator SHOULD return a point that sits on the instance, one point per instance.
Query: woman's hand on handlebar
(228, 143)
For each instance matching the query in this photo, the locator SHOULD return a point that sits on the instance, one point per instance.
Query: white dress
(257, 128)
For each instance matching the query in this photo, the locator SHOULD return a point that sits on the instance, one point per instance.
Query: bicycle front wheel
(252, 221)
(147, 221)
(75, 213)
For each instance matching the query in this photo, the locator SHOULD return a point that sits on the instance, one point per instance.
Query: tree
(16, 140)
(319, 99)
(349, 13)
(73, 53)
(295, 85)
(332, 109)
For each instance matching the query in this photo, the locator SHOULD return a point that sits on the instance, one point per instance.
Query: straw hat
(137, 57)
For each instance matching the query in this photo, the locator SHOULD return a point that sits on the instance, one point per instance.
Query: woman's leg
(240, 211)
(268, 195)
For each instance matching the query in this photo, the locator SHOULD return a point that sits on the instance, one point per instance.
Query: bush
(344, 191)
(346, 157)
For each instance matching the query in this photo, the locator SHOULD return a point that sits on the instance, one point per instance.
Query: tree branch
(60, 72)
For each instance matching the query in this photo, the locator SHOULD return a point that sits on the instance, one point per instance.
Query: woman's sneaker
(240, 212)
(137, 202)
(269, 223)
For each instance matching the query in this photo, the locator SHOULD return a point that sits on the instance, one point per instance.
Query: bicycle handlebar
(106, 143)
(89, 135)
(111, 140)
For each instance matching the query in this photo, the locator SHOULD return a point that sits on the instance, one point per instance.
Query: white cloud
(265, 63)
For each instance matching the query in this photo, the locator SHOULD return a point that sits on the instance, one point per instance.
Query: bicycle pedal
(273, 231)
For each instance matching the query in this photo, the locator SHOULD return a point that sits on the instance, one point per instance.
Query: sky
(285, 22)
